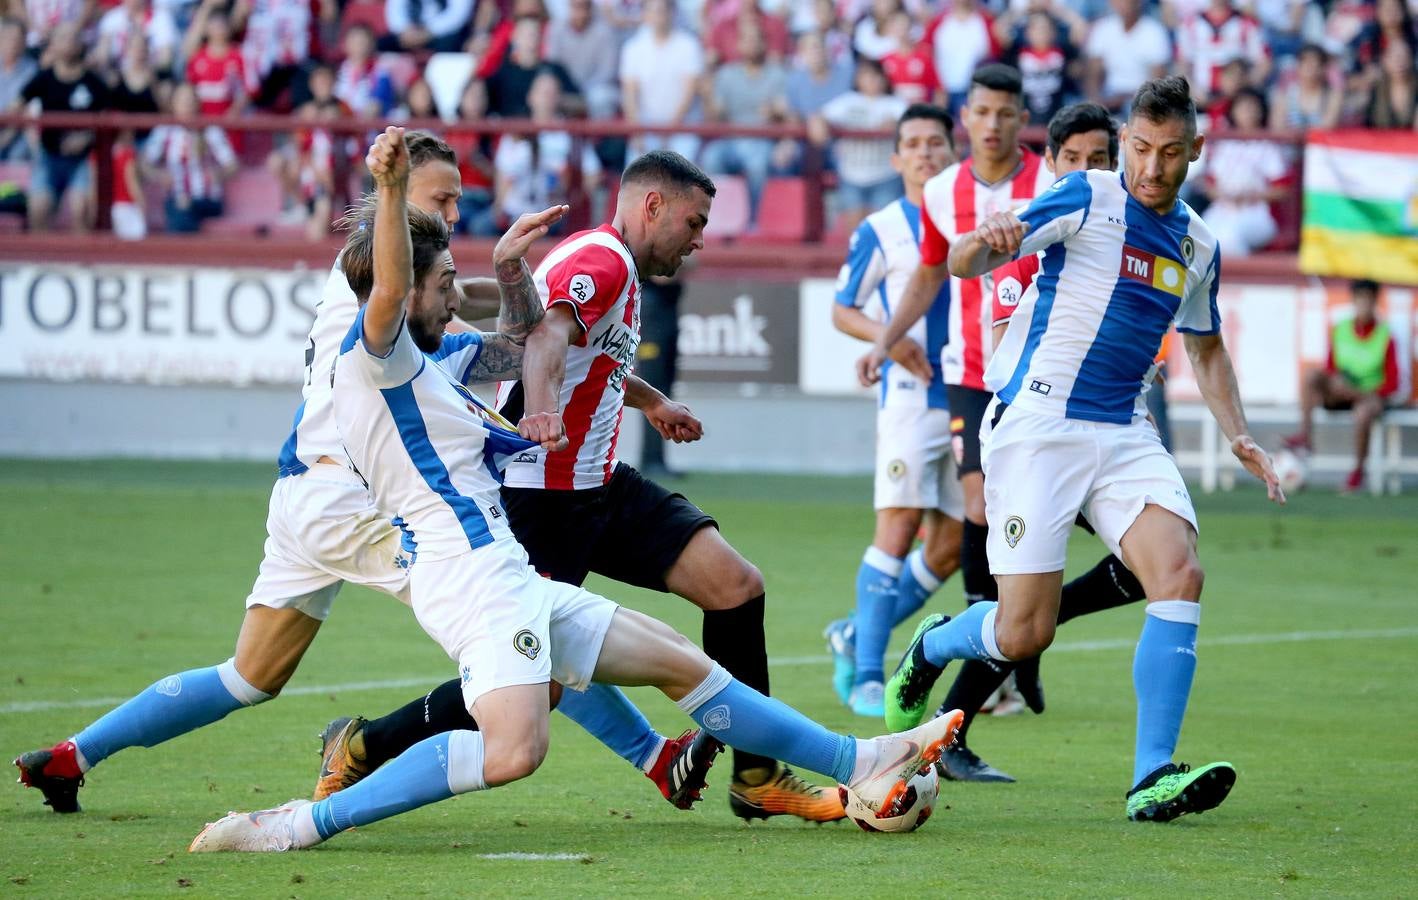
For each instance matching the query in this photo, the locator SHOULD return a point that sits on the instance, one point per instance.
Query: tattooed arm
(521, 309)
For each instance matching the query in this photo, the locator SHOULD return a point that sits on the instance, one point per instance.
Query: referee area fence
(193, 345)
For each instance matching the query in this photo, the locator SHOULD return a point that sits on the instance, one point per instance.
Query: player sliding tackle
(404, 415)
(1123, 259)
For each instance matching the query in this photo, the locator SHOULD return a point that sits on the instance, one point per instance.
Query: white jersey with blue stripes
(433, 465)
(313, 433)
(885, 250)
(1115, 276)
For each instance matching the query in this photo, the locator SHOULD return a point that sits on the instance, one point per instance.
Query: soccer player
(323, 530)
(915, 481)
(1123, 260)
(576, 510)
(431, 455)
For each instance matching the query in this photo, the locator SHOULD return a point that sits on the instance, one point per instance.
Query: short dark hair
(998, 77)
(425, 148)
(930, 112)
(667, 169)
(428, 235)
(1249, 93)
(1162, 99)
(1081, 118)
(1364, 286)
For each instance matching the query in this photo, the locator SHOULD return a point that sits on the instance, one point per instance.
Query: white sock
(465, 762)
(987, 636)
(882, 561)
(303, 828)
(867, 754)
(79, 755)
(922, 572)
(1184, 612)
(650, 758)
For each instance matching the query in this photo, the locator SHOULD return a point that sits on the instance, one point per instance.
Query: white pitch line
(1222, 640)
(536, 857)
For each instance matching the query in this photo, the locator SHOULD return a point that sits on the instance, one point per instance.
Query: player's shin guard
(914, 586)
(169, 707)
(431, 770)
(975, 563)
(609, 716)
(1162, 672)
(734, 639)
(441, 709)
(743, 718)
(876, 606)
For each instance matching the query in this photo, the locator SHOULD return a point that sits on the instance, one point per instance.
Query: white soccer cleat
(263, 831)
(899, 757)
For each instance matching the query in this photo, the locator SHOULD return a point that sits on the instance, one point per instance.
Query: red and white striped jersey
(955, 202)
(593, 274)
(1205, 46)
(193, 158)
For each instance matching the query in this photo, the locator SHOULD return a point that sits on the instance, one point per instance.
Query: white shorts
(915, 466)
(1041, 471)
(504, 624)
(322, 530)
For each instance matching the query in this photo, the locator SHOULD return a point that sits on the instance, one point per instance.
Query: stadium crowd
(1256, 66)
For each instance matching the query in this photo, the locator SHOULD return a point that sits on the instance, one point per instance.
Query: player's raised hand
(1003, 232)
(544, 428)
(869, 366)
(1258, 463)
(913, 357)
(675, 422)
(388, 158)
(529, 227)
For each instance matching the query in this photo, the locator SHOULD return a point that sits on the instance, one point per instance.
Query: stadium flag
(1361, 205)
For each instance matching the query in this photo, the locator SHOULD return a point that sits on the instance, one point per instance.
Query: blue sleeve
(862, 271)
(458, 352)
(1058, 213)
(1198, 312)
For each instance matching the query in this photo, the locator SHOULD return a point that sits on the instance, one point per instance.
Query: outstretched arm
(388, 162)
(521, 307)
(1216, 379)
(988, 247)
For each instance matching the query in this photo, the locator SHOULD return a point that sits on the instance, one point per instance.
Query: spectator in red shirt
(215, 68)
(723, 41)
(910, 67)
(129, 219)
(1361, 374)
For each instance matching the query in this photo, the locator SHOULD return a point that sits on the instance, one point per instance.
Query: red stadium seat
(782, 213)
(729, 217)
(253, 205)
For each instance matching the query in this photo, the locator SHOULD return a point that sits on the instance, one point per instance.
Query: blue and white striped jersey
(885, 250)
(313, 433)
(432, 465)
(1115, 276)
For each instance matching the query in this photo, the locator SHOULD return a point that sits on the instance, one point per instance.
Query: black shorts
(967, 411)
(630, 530)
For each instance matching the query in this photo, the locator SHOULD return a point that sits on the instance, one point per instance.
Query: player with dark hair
(432, 454)
(576, 510)
(1124, 259)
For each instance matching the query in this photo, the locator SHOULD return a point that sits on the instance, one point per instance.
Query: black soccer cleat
(56, 773)
(683, 766)
(959, 763)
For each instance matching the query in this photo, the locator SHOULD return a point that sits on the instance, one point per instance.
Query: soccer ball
(1290, 469)
(911, 812)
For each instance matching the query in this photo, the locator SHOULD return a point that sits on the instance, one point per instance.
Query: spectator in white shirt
(125, 22)
(1124, 50)
(660, 68)
(533, 172)
(865, 178)
(962, 37)
(434, 25)
(587, 47)
(1242, 180)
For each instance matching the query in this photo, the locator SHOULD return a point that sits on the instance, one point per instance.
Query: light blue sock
(169, 707)
(434, 769)
(914, 586)
(746, 720)
(1162, 671)
(970, 635)
(876, 602)
(609, 716)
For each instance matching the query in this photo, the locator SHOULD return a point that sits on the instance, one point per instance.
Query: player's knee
(738, 586)
(1026, 640)
(513, 760)
(1185, 580)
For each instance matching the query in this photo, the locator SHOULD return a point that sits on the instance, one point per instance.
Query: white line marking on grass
(1222, 640)
(537, 857)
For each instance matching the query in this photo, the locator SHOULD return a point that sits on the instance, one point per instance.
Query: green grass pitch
(117, 573)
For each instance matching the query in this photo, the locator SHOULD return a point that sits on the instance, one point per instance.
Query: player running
(403, 412)
(576, 510)
(915, 481)
(323, 530)
(1123, 259)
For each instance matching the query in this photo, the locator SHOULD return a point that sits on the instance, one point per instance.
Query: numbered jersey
(593, 275)
(956, 201)
(313, 434)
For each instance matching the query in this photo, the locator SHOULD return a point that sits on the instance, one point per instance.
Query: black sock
(1104, 586)
(977, 680)
(734, 639)
(440, 710)
(975, 564)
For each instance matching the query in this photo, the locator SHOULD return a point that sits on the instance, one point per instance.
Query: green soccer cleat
(908, 692)
(1173, 791)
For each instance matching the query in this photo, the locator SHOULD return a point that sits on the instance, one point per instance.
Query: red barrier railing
(813, 170)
